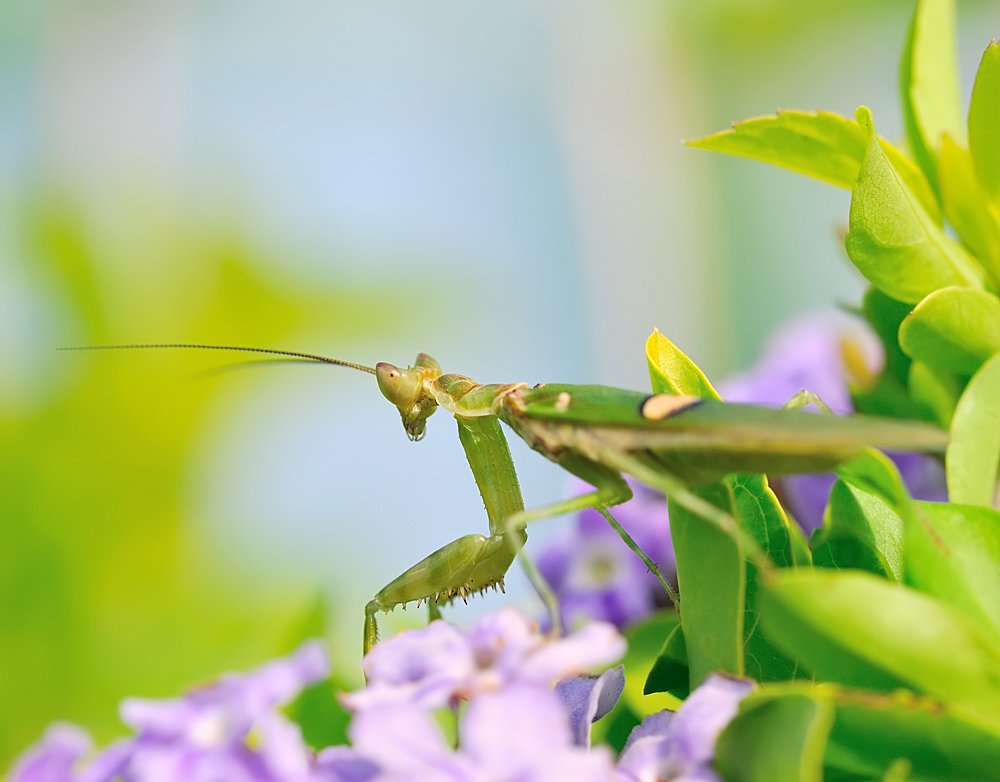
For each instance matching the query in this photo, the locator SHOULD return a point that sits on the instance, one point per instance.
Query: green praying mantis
(672, 443)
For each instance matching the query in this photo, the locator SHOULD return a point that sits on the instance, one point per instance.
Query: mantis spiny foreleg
(473, 563)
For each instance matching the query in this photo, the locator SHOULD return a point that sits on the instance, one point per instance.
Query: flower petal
(511, 728)
(423, 666)
(648, 747)
(54, 757)
(701, 718)
(588, 698)
(593, 645)
(344, 764)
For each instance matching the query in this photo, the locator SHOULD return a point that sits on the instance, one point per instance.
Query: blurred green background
(500, 185)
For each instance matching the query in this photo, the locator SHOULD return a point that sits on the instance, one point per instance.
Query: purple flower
(440, 665)
(588, 698)
(521, 732)
(344, 764)
(830, 357)
(202, 737)
(594, 574)
(681, 745)
(425, 667)
(55, 757)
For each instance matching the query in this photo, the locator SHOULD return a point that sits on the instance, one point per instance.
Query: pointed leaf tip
(672, 372)
(865, 119)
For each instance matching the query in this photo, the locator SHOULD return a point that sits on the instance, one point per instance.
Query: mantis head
(406, 389)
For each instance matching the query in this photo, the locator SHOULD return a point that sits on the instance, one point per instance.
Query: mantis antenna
(177, 345)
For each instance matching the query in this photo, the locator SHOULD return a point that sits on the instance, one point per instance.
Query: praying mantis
(672, 443)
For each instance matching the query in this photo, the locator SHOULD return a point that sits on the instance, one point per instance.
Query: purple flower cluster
(517, 700)
(596, 576)
(228, 730)
(497, 677)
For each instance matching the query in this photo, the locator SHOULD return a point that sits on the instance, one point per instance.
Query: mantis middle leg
(610, 489)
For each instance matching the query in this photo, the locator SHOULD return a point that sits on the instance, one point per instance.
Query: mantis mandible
(599, 434)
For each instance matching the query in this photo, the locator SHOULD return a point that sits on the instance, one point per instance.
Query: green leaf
(889, 396)
(776, 737)
(885, 314)
(892, 239)
(872, 732)
(866, 736)
(929, 82)
(801, 553)
(672, 372)
(861, 532)
(949, 551)
(646, 641)
(959, 562)
(860, 630)
(936, 392)
(820, 144)
(984, 121)
(320, 715)
(974, 447)
(759, 514)
(670, 672)
(967, 206)
(711, 574)
(953, 330)
(873, 472)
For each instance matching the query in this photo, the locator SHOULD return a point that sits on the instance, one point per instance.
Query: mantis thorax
(407, 389)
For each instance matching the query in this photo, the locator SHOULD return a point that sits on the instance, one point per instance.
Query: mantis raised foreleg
(473, 563)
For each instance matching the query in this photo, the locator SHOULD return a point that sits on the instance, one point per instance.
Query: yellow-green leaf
(974, 447)
(967, 206)
(778, 736)
(892, 239)
(672, 372)
(959, 562)
(711, 572)
(820, 144)
(953, 330)
(984, 121)
(929, 82)
(861, 630)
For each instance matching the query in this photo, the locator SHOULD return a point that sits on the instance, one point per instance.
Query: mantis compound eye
(399, 386)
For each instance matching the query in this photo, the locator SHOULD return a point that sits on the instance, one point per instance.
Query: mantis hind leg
(609, 489)
(677, 490)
